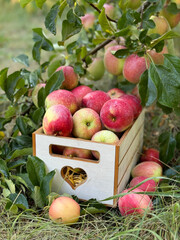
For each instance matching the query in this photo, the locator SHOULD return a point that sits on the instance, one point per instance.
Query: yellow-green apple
(147, 169)
(64, 210)
(77, 152)
(63, 97)
(158, 58)
(148, 186)
(58, 121)
(134, 66)
(95, 100)
(96, 69)
(134, 102)
(70, 77)
(35, 93)
(133, 4)
(151, 154)
(104, 136)
(117, 115)
(113, 64)
(88, 21)
(173, 19)
(161, 25)
(109, 10)
(115, 92)
(86, 123)
(79, 92)
(133, 203)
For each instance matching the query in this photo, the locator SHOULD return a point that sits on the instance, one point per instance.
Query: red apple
(134, 102)
(95, 100)
(158, 58)
(63, 97)
(173, 19)
(115, 93)
(35, 93)
(70, 77)
(79, 92)
(112, 64)
(77, 152)
(134, 203)
(117, 115)
(134, 66)
(96, 69)
(86, 123)
(64, 210)
(58, 121)
(147, 169)
(135, 92)
(88, 21)
(151, 154)
(104, 136)
(148, 186)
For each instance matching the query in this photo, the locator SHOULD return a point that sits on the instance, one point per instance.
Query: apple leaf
(18, 200)
(22, 58)
(24, 2)
(51, 18)
(40, 3)
(45, 186)
(167, 145)
(3, 168)
(105, 24)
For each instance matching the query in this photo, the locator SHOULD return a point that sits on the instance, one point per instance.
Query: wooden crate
(105, 177)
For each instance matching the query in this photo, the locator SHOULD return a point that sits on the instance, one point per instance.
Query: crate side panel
(100, 180)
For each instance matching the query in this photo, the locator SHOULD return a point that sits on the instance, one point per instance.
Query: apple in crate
(57, 121)
(64, 210)
(148, 186)
(151, 154)
(86, 123)
(134, 203)
(104, 136)
(63, 97)
(95, 100)
(79, 92)
(77, 152)
(70, 77)
(117, 115)
(147, 169)
(133, 101)
(115, 93)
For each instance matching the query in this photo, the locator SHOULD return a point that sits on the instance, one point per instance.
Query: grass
(162, 223)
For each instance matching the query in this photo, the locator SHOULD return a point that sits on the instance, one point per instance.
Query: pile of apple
(150, 166)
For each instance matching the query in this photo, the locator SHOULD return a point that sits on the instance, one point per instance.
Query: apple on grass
(104, 136)
(133, 203)
(64, 210)
(148, 186)
(134, 102)
(151, 154)
(95, 100)
(63, 97)
(58, 121)
(86, 123)
(147, 169)
(70, 77)
(113, 64)
(115, 93)
(79, 92)
(117, 115)
(35, 93)
(77, 152)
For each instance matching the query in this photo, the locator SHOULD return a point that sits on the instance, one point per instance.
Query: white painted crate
(105, 177)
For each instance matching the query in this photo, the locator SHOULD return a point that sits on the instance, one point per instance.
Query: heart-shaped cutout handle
(73, 176)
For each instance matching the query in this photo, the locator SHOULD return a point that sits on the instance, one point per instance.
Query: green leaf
(24, 2)
(54, 82)
(23, 141)
(51, 18)
(15, 164)
(38, 115)
(11, 111)
(10, 185)
(147, 89)
(121, 53)
(36, 51)
(71, 3)
(78, 10)
(178, 140)
(23, 125)
(19, 153)
(3, 168)
(45, 187)
(3, 76)
(19, 200)
(167, 144)
(172, 172)
(93, 206)
(22, 59)
(172, 9)
(79, 69)
(41, 97)
(40, 3)
(101, 3)
(54, 65)
(36, 170)
(62, 7)
(105, 24)
(172, 62)
(25, 177)
(37, 197)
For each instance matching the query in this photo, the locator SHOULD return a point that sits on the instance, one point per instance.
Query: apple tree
(76, 33)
